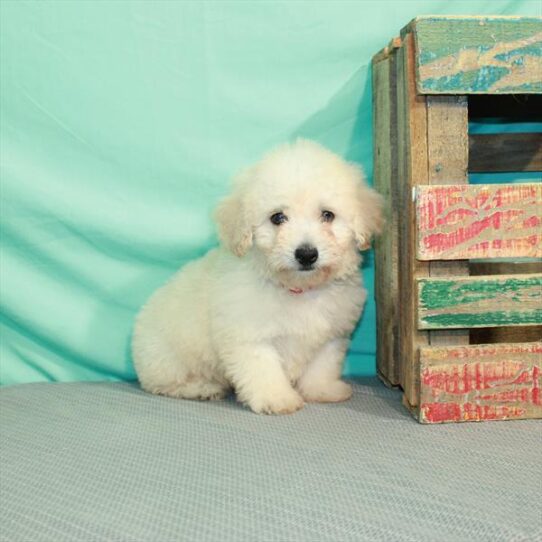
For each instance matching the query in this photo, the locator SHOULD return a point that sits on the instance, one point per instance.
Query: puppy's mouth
(305, 277)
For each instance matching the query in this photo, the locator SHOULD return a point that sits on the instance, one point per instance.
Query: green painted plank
(487, 301)
(478, 55)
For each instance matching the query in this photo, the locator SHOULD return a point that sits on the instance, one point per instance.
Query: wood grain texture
(482, 382)
(480, 301)
(447, 150)
(479, 221)
(447, 139)
(384, 260)
(412, 170)
(387, 51)
(513, 334)
(505, 152)
(478, 55)
(504, 267)
(386, 244)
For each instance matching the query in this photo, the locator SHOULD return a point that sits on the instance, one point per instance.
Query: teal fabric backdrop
(122, 123)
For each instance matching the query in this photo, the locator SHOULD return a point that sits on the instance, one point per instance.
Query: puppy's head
(304, 212)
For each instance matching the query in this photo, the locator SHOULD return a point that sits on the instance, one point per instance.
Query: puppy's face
(305, 212)
(305, 235)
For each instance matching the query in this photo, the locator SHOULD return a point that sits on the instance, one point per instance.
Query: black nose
(306, 255)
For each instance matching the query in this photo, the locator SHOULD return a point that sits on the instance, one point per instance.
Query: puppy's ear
(234, 228)
(369, 216)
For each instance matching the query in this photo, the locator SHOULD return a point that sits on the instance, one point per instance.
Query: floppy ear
(369, 218)
(234, 228)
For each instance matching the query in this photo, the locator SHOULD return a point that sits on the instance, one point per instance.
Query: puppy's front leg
(321, 382)
(256, 372)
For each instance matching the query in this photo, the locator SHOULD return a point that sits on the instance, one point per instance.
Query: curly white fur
(246, 316)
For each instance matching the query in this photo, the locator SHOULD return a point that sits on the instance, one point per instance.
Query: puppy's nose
(306, 255)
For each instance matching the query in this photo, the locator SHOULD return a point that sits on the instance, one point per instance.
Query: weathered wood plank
(480, 382)
(412, 170)
(394, 367)
(480, 301)
(386, 245)
(479, 221)
(447, 146)
(505, 267)
(512, 334)
(505, 152)
(447, 136)
(387, 51)
(383, 54)
(478, 55)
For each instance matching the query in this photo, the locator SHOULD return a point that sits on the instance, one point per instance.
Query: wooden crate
(458, 272)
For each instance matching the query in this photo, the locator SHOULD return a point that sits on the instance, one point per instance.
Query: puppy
(270, 312)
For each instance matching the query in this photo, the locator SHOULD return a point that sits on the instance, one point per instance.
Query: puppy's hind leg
(161, 372)
(191, 387)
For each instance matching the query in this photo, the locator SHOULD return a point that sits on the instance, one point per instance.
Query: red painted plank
(480, 382)
(479, 221)
(468, 412)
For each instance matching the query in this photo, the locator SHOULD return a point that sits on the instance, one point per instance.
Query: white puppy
(270, 312)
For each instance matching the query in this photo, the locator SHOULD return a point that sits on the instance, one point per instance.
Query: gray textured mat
(89, 462)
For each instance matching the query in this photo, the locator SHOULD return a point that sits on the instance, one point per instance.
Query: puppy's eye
(278, 218)
(328, 216)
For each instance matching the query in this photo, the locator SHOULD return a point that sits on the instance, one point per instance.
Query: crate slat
(480, 382)
(478, 55)
(505, 152)
(412, 169)
(479, 221)
(386, 244)
(448, 156)
(488, 301)
(505, 334)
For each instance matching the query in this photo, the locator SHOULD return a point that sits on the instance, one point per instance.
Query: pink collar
(296, 291)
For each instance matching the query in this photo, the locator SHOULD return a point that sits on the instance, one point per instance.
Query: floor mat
(108, 462)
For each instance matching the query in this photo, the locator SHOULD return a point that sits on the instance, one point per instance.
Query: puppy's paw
(332, 392)
(286, 402)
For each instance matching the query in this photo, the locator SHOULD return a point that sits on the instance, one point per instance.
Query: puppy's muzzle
(306, 255)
